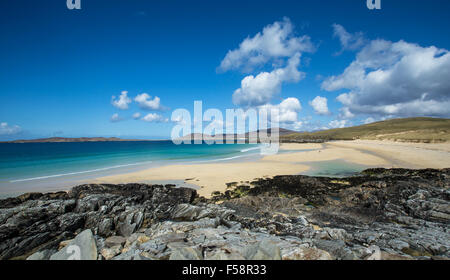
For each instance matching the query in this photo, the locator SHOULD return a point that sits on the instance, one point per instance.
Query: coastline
(212, 177)
(325, 212)
(283, 218)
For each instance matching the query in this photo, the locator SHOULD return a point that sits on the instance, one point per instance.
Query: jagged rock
(186, 253)
(307, 254)
(380, 214)
(106, 226)
(114, 241)
(128, 255)
(336, 248)
(83, 247)
(302, 221)
(185, 212)
(398, 245)
(64, 243)
(130, 223)
(111, 252)
(155, 247)
(141, 257)
(223, 255)
(336, 234)
(265, 250)
(41, 255)
(394, 257)
(34, 220)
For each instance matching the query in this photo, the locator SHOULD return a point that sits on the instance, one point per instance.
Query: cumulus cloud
(320, 105)
(338, 123)
(137, 115)
(368, 120)
(395, 78)
(260, 89)
(6, 129)
(345, 113)
(122, 101)
(276, 41)
(146, 102)
(288, 111)
(115, 118)
(153, 117)
(349, 41)
(278, 48)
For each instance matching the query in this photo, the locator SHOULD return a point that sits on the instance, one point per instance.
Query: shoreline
(329, 159)
(212, 177)
(283, 218)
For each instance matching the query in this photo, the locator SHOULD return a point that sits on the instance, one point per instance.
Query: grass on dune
(410, 130)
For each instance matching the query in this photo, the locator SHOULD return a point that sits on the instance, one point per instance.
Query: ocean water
(29, 167)
(48, 166)
(334, 168)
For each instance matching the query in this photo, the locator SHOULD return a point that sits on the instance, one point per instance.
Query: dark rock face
(397, 210)
(41, 221)
(380, 214)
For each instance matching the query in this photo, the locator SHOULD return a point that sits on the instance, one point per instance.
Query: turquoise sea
(47, 166)
(27, 167)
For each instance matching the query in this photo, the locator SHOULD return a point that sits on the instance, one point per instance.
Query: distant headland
(79, 139)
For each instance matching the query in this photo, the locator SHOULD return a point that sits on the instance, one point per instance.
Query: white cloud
(260, 89)
(320, 105)
(122, 101)
(153, 117)
(6, 129)
(368, 120)
(297, 126)
(288, 110)
(348, 41)
(115, 118)
(345, 113)
(136, 115)
(338, 123)
(396, 79)
(276, 41)
(145, 101)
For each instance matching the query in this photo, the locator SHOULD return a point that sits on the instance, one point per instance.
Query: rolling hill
(427, 130)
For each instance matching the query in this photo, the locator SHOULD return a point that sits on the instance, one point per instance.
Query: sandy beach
(210, 177)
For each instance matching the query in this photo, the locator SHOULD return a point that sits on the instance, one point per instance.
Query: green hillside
(409, 130)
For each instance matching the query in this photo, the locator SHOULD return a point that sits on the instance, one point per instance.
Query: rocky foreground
(380, 214)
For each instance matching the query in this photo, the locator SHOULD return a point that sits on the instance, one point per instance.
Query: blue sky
(60, 67)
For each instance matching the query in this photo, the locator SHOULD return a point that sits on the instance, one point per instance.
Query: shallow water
(46, 167)
(55, 166)
(334, 168)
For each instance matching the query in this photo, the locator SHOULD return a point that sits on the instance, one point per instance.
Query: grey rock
(185, 212)
(154, 247)
(105, 227)
(83, 247)
(403, 214)
(109, 253)
(302, 221)
(128, 255)
(114, 241)
(264, 250)
(41, 255)
(336, 248)
(141, 258)
(186, 253)
(127, 227)
(306, 253)
(398, 245)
